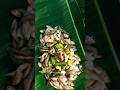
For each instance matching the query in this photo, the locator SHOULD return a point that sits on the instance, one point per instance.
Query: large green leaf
(53, 13)
(77, 9)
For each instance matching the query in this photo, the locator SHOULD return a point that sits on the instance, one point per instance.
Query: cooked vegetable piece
(53, 60)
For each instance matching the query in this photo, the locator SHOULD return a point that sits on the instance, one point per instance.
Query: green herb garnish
(53, 60)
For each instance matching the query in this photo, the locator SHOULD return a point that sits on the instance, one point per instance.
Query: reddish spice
(58, 57)
(48, 82)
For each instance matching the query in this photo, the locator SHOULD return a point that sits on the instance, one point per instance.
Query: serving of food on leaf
(58, 61)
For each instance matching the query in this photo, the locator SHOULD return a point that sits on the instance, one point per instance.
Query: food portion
(58, 61)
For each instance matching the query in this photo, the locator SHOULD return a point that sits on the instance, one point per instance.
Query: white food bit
(65, 35)
(68, 41)
(63, 72)
(54, 79)
(39, 64)
(46, 38)
(76, 69)
(56, 84)
(57, 35)
(49, 28)
(41, 31)
(63, 79)
(44, 56)
(72, 77)
(72, 42)
(56, 27)
(52, 51)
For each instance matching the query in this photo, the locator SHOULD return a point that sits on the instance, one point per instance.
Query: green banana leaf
(79, 17)
(56, 13)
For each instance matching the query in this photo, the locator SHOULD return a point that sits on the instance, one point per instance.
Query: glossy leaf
(56, 13)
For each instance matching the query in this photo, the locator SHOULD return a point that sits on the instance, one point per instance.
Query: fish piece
(18, 76)
(17, 12)
(89, 40)
(11, 88)
(13, 30)
(103, 75)
(26, 30)
(29, 80)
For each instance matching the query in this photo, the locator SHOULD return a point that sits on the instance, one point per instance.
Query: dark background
(111, 13)
(95, 27)
(6, 18)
